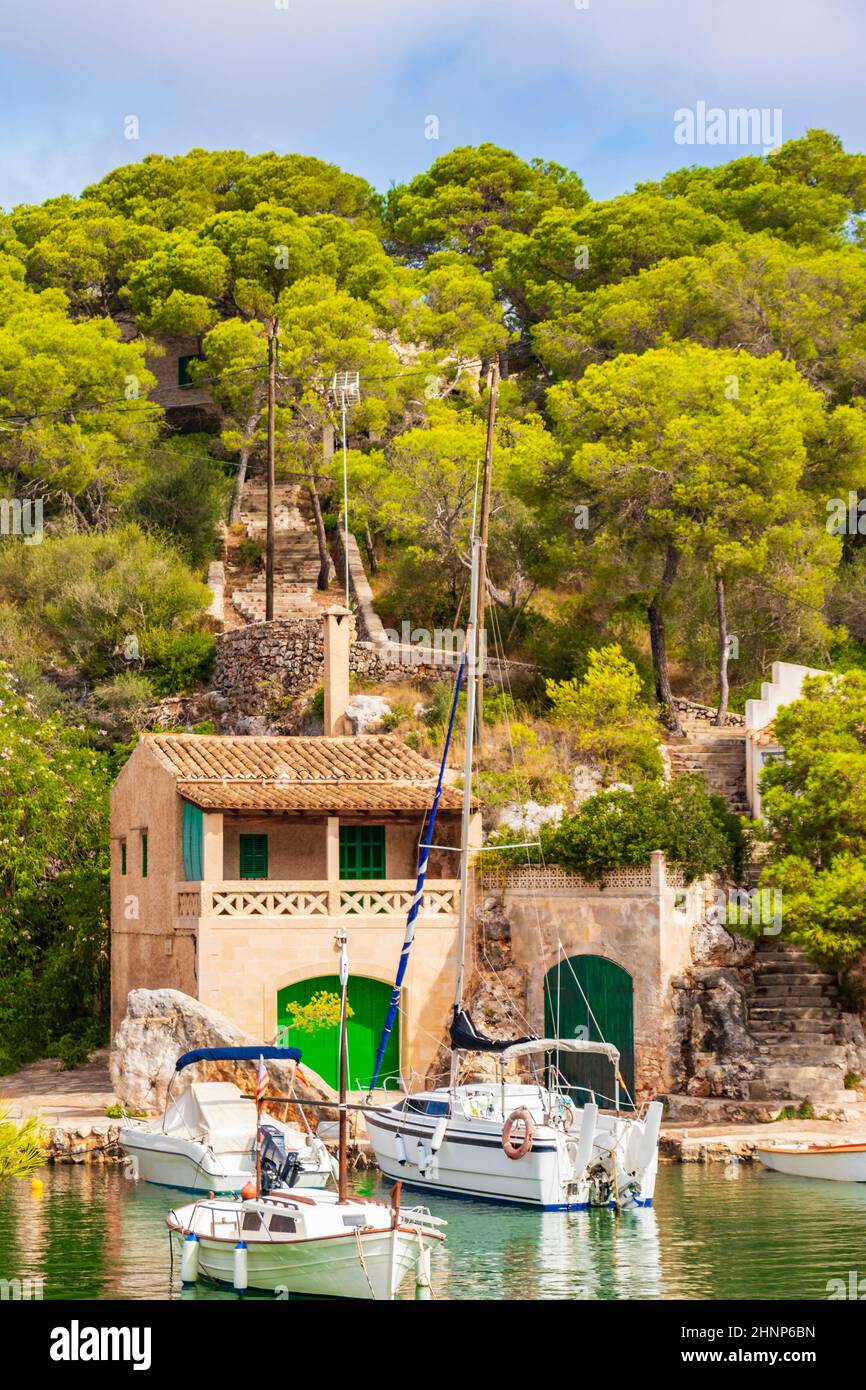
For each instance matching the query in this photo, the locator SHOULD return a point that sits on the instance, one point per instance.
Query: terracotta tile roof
(316, 796)
(369, 772)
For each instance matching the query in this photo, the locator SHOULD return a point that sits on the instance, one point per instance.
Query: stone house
(235, 860)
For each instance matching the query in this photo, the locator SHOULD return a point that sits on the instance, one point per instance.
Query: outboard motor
(280, 1166)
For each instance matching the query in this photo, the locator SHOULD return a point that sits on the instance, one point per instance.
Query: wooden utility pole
(484, 528)
(272, 409)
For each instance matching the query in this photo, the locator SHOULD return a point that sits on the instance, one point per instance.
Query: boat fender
(439, 1134)
(650, 1137)
(513, 1146)
(400, 1148)
(588, 1123)
(239, 1268)
(424, 1158)
(189, 1259)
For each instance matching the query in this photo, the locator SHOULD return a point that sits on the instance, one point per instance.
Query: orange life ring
(513, 1147)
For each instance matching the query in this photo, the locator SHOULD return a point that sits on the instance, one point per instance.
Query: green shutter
(362, 851)
(144, 854)
(253, 856)
(193, 842)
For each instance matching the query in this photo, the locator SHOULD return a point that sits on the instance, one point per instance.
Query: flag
(261, 1080)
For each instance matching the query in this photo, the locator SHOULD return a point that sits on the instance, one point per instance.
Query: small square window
(144, 855)
(253, 856)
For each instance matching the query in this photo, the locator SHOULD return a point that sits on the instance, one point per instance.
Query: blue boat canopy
(238, 1054)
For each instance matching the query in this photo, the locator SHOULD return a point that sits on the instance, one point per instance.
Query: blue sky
(353, 81)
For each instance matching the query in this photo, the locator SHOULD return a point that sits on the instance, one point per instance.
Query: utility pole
(272, 408)
(493, 392)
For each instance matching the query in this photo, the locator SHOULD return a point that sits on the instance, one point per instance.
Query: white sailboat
(324, 1244)
(507, 1142)
(206, 1139)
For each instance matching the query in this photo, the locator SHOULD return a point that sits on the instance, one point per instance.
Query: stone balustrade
(249, 898)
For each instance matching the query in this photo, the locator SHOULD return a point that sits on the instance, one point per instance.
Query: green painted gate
(609, 994)
(369, 1001)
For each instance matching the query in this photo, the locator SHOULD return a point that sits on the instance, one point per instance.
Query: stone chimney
(337, 639)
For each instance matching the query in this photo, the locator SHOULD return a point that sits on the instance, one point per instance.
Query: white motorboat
(206, 1140)
(838, 1162)
(520, 1143)
(305, 1243)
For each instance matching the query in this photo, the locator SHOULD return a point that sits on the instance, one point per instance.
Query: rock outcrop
(160, 1024)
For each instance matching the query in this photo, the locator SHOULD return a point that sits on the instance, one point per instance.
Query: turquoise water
(757, 1235)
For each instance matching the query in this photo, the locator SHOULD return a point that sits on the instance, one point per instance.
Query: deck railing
(355, 898)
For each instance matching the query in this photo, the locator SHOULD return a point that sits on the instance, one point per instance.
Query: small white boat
(206, 1139)
(838, 1162)
(305, 1243)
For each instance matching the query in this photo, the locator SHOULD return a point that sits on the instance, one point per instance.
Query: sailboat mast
(343, 1151)
(471, 694)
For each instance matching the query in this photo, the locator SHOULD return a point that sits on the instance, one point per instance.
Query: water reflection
(93, 1234)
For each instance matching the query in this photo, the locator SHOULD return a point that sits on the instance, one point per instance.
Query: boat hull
(192, 1167)
(470, 1162)
(323, 1268)
(843, 1164)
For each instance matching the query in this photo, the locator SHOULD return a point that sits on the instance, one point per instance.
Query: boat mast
(471, 694)
(342, 1178)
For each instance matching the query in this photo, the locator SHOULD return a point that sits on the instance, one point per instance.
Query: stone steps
(806, 1013)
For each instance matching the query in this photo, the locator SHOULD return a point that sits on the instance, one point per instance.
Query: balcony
(251, 898)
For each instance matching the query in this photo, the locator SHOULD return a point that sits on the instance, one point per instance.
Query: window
(192, 835)
(362, 851)
(253, 856)
(252, 1221)
(123, 856)
(283, 1223)
(183, 376)
(144, 854)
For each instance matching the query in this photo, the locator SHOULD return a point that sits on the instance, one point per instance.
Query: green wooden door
(368, 1000)
(609, 995)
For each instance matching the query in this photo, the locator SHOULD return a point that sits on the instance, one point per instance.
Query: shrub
(618, 829)
(121, 702)
(607, 719)
(183, 497)
(177, 662)
(250, 552)
(317, 702)
(88, 593)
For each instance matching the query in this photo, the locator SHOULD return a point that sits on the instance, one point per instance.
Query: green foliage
(617, 829)
(182, 497)
(89, 593)
(54, 843)
(814, 800)
(322, 1011)
(177, 662)
(250, 552)
(22, 1150)
(317, 702)
(607, 719)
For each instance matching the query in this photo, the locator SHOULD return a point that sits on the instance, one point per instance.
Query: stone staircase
(296, 555)
(797, 1025)
(718, 755)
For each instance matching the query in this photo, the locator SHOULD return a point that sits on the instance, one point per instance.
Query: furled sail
(465, 1037)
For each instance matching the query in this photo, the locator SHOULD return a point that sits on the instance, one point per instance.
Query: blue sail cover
(238, 1054)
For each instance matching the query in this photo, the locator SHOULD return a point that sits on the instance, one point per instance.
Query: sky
(591, 84)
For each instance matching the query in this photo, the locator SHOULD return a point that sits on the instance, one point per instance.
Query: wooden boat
(837, 1162)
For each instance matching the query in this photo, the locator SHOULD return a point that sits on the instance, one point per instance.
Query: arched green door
(609, 995)
(368, 1000)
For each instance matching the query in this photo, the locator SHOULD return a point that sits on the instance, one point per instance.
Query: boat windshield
(421, 1105)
